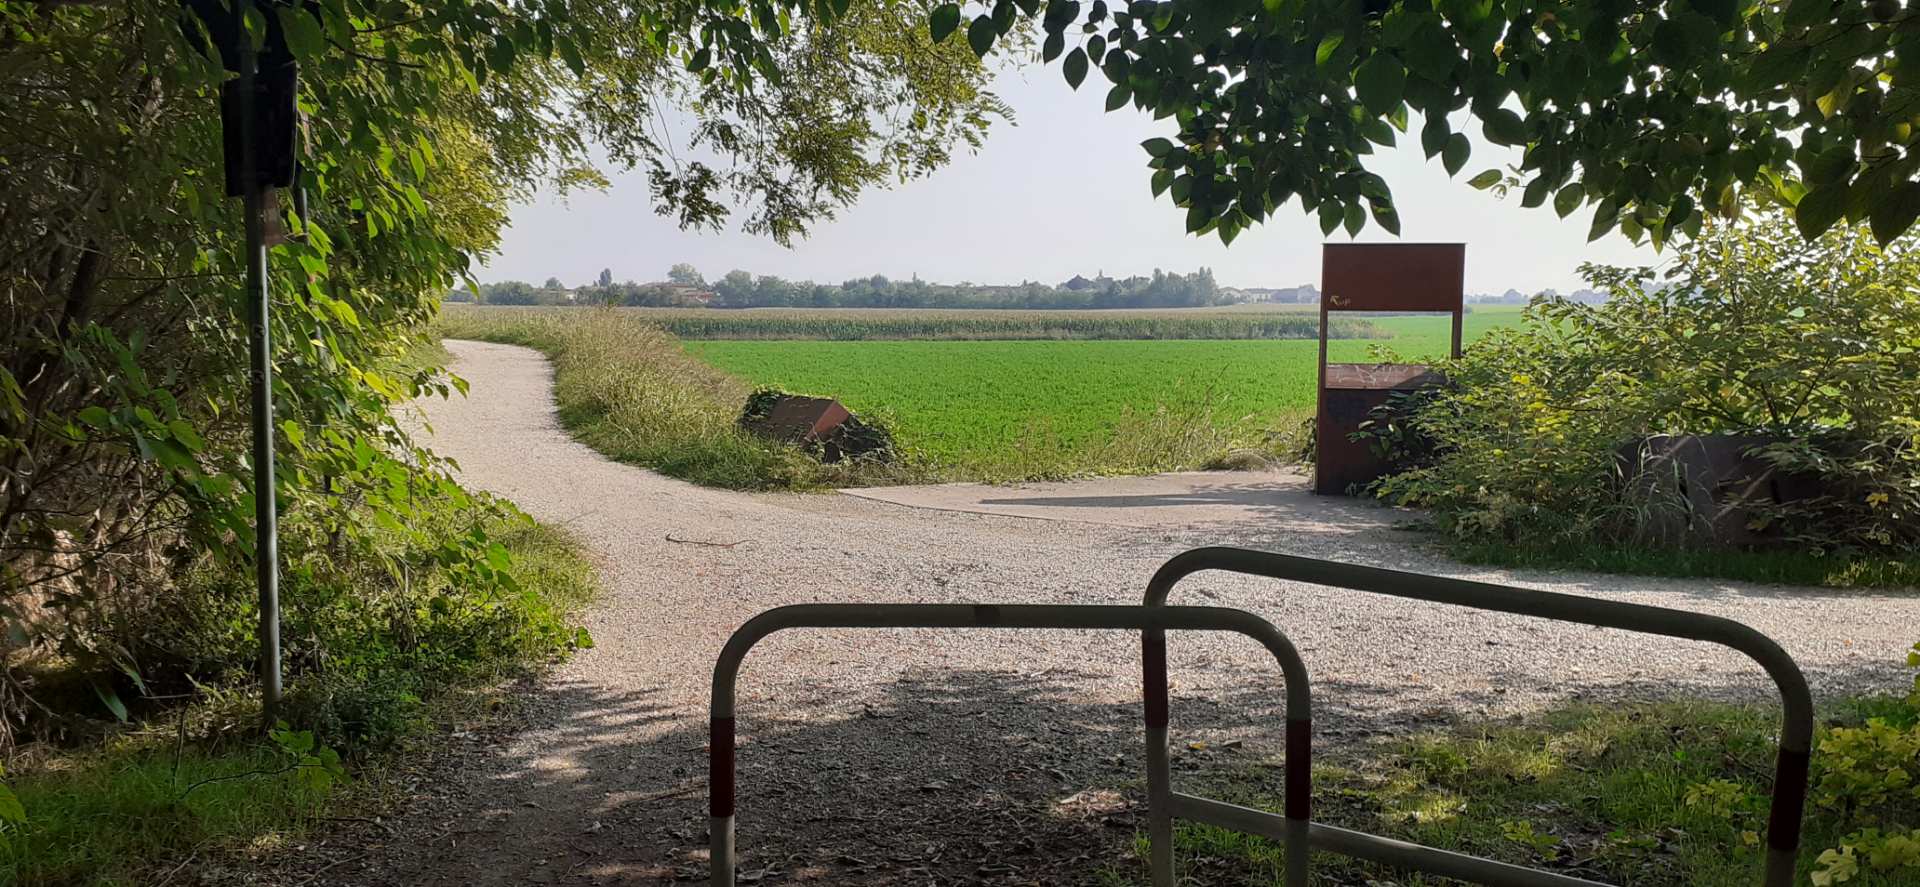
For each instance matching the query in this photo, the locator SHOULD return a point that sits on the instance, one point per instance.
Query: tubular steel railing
(1790, 769)
(1293, 827)
(1156, 619)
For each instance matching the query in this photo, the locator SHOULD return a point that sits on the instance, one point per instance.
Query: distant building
(1304, 294)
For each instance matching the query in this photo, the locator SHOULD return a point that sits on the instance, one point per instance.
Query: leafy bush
(1750, 330)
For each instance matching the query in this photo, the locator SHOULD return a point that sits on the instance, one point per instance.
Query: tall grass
(627, 389)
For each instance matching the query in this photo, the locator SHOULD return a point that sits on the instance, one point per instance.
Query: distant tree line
(685, 286)
(628, 294)
(740, 289)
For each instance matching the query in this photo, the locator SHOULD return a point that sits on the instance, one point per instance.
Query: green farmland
(1014, 409)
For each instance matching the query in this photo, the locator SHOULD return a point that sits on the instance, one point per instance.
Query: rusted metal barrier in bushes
(1293, 827)
(1164, 804)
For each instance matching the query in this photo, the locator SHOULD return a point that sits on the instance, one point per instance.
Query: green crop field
(1000, 409)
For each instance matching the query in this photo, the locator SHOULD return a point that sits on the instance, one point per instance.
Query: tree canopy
(123, 377)
(1650, 113)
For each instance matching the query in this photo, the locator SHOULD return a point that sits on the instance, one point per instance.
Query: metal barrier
(1790, 770)
(1292, 829)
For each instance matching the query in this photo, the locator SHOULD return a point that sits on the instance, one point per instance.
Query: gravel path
(938, 757)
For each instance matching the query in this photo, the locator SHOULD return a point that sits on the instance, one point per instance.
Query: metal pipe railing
(1790, 769)
(1155, 619)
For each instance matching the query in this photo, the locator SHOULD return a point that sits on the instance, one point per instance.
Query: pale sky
(1063, 190)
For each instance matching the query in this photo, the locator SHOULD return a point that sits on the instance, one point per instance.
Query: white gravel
(607, 786)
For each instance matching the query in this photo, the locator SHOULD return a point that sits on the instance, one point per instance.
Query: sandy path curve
(931, 757)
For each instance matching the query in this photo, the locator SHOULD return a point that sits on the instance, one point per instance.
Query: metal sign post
(258, 120)
(266, 534)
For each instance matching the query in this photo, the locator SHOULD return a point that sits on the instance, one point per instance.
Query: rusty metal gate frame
(1155, 620)
(1163, 804)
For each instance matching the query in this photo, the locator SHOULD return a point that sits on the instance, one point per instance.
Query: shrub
(1751, 330)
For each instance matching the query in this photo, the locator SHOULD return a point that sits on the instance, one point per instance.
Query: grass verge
(1668, 794)
(197, 784)
(1782, 567)
(627, 389)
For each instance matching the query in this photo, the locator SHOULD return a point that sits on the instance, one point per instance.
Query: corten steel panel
(1377, 376)
(801, 418)
(1393, 276)
(1339, 460)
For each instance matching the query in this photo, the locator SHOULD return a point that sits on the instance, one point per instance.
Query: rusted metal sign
(1392, 276)
(1376, 277)
(795, 418)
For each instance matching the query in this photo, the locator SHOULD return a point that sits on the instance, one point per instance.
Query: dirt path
(930, 757)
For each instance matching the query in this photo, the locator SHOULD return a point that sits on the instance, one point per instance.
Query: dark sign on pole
(259, 118)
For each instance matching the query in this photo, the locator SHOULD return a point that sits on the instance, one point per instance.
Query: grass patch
(373, 664)
(1670, 794)
(1782, 567)
(128, 813)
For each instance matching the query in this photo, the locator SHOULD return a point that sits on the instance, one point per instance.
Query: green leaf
(1378, 132)
(1535, 194)
(1831, 165)
(1381, 83)
(1227, 231)
(304, 36)
(1433, 135)
(11, 810)
(1454, 155)
(1330, 216)
(1894, 211)
(1387, 217)
(96, 416)
(943, 22)
(1157, 147)
(1162, 178)
(981, 34)
(1117, 97)
(1075, 67)
(570, 54)
(1485, 180)
(1356, 219)
(1802, 13)
(700, 60)
(500, 55)
(1328, 46)
(1198, 218)
(111, 700)
(185, 434)
(1822, 207)
(1182, 189)
(1604, 217)
(1568, 199)
(1671, 43)
(1503, 127)
(1051, 49)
